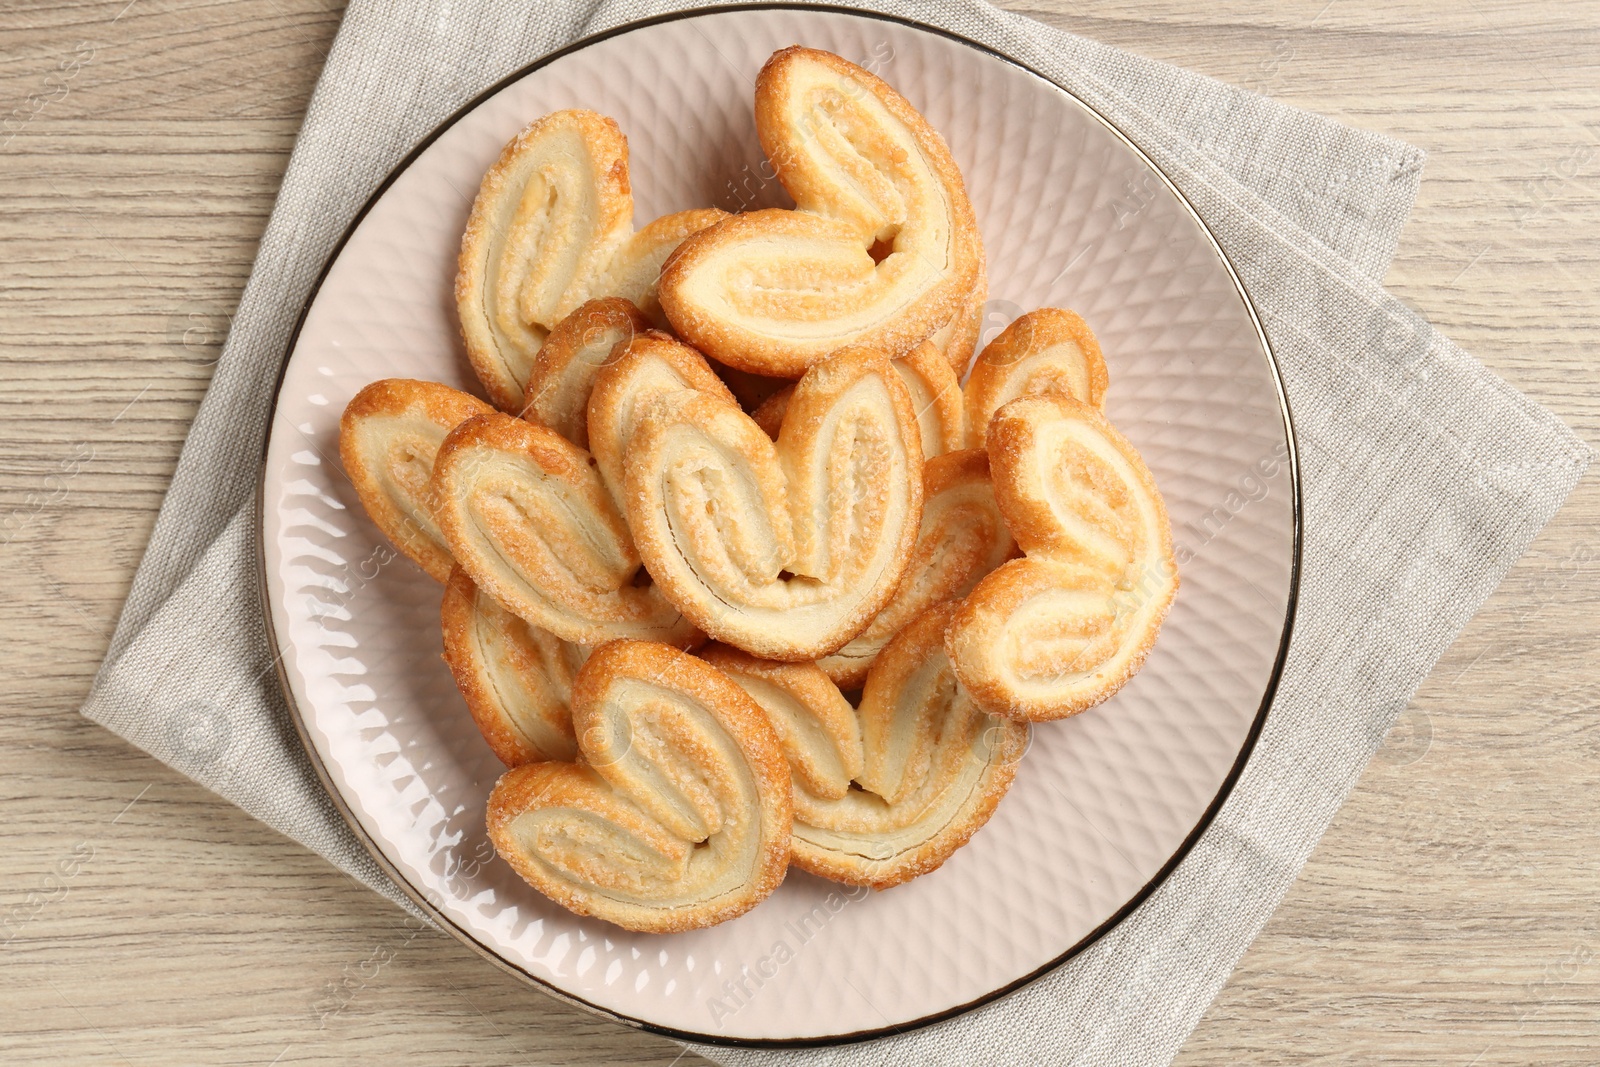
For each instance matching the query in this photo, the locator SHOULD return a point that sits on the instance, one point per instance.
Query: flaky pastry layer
(635, 269)
(651, 370)
(935, 393)
(548, 216)
(957, 339)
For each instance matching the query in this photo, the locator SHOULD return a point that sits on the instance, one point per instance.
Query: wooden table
(1451, 916)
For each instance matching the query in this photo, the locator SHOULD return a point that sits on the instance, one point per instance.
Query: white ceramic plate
(1104, 804)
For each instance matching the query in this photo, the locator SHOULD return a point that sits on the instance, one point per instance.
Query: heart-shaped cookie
(676, 813)
(887, 792)
(552, 227)
(786, 549)
(1063, 629)
(882, 249)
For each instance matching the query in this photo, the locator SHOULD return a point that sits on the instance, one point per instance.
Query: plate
(1104, 804)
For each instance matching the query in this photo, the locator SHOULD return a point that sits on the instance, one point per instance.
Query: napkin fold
(1424, 478)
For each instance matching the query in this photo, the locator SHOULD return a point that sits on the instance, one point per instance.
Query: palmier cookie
(389, 435)
(525, 513)
(962, 538)
(1045, 351)
(1063, 629)
(882, 249)
(551, 227)
(786, 549)
(889, 792)
(676, 814)
(516, 678)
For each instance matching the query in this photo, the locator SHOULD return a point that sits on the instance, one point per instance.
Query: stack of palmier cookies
(712, 638)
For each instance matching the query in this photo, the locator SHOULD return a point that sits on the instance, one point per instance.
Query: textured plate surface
(1071, 216)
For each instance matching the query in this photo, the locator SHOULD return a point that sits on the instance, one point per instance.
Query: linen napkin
(1424, 478)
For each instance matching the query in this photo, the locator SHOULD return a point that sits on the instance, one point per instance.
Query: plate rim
(437, 915)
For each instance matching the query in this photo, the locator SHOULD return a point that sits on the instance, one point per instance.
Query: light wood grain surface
(1451, 915)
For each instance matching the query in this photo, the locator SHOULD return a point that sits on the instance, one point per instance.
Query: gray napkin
(1425, 477)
